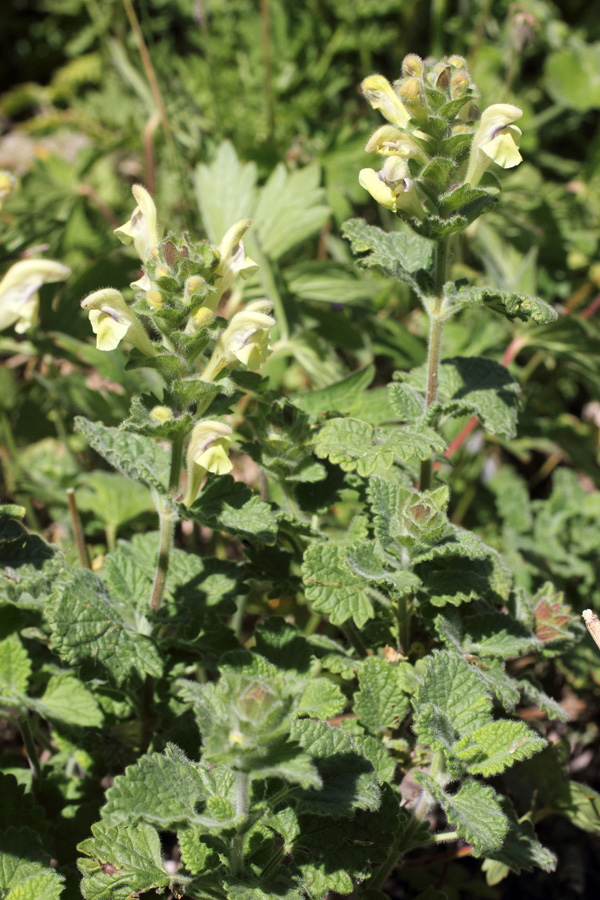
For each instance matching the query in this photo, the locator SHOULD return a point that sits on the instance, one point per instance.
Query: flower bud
(442, 76)
(459, 84)
(412, 65)
(142, 227)
(162, 271)
(411, 94)
(457, 62)
(382, 96)
(162, 414)
(155, 299)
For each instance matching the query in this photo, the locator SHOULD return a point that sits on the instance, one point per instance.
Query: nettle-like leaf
(347, 779)
(485, 632)
(450, 702)
(401, 254)
(383, 698)
(15, 671)
(122, 861)
(468, 386)
(89, 626)
(357, 446)
(494, 747)
(474, 810)
(520, 849)
(451, 573)
(508, 303)
(67, 700)
(331, 588)
(28, 565)
(136, 456)
(228, 505)
(25, 872)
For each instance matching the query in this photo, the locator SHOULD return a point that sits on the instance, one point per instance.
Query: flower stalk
(436, 320)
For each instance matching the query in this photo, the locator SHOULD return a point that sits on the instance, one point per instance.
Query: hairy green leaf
(474, 810)
(228, 505)
(140, 458)
(507, 303)
(495, 746)
(121, 861)
(382, 700)
(331, 589)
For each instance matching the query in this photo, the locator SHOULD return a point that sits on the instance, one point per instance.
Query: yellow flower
(246, 338)
(19, 301)
(392, 189)
(7, 186)
(234, 260)
(142, 227)
(207, 452)
(496, 139)
(382, 96)
(388, 141)
(113, 321)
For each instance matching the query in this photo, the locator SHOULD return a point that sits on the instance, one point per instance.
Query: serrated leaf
(331, 589)
(163, 789)
(488, 632)
(15, 670)
(89, 626)
(140, 458)
(357, 446)
(436, 228)
(25, 872)
(28, 565)
(532, 693)
(401, 254)
(507, 303)
(122, 860)
(321, 699)
(475, 385)
(468, 201)
(340, 396)
(454, 578)
(407, 403)
(19, 808)
(474, 810)
(450, 702)
(283, 645)
(66, 699)
(228, 505)
(520, 849)
(348, 780)
(225, 191)
(382, 700)
(113, 498)
(494, 747)
(437, 171)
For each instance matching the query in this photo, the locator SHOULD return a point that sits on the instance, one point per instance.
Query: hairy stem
(242, 804)
(404, 614)
(402, 842)
(435, 343)
(30, 748)
(82, 552)
(167, 520)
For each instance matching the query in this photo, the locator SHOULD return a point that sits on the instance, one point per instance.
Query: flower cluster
(179, 293)
(433, 137)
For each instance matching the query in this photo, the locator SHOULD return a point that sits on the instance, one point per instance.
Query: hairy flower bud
(382, 96)
(142, 227)
(412, 65)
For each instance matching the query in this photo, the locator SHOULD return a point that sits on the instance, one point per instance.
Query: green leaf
(28, 565)
(228, 505)
(401, 254)
(15, 670)
(225, 191)
(437, 228)
(468, 201)
(162, 789)
(89, 626)
(140, 458)
(66, 699)
(19, 808)
(507, 303)
(348, 780)
(520, 849)
(455, 578)
(532, 693)
(331, 589)
(114, 499)
(25, 872)
(357, 446)
(488, 632)
(340, 396)
(495, 746)
(474, 385)
(474, 811)
(122, 860)
(572, 76)
(437, 171)
(321, 699)
(450, 703)
(382, 700)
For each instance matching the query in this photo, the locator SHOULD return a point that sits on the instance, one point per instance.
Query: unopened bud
(442, 76)
(457, 62)
(162, 271)
(459, 84)
(155, 299)
(411, 95)
(193, 283)
(412, 65)
(162, 414)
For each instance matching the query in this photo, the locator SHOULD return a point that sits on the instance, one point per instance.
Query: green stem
(402, 842)
(354, 638)
(404, 614)
(242, 805)
(82, 551)
(30, 748)
(167, 520)
(435, 342)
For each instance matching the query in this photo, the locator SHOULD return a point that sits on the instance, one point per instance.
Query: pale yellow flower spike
(207, 452)
(19, 301)
(382, 96)
(496, 139)
(394, 198)
(142, 227)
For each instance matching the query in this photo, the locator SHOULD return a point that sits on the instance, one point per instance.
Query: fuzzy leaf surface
(228, 505)
(400, 254)
(508, 303)
(331, 588)
(487, 632)
(89, 626)
(382, 700)
(25, 872)
(357, 446)
(496, 746)
(140, 458)
(15, 670)
(121, 861)
(474, 810)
